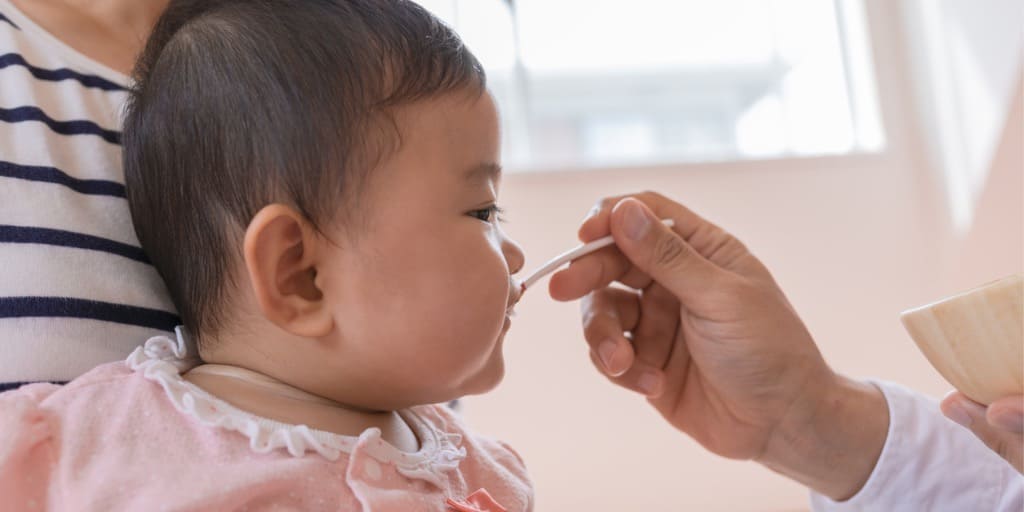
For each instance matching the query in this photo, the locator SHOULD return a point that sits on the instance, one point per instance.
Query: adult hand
(706, 334)
(1000, 425)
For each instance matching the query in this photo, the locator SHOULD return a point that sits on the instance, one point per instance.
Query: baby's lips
(515, 295)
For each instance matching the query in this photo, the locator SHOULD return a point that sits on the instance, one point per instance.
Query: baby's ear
(280, 256)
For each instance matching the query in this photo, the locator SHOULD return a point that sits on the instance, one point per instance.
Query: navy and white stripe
(55, 175)
(73, 127)
(68, 239)
(56, 75)
(67, 307)
(4, 19)
(76, 290)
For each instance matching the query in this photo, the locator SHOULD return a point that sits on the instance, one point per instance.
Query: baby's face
(423, 296)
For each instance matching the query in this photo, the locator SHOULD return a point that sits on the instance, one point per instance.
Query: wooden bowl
(975, 339)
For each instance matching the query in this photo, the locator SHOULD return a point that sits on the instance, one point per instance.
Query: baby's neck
(270, 398)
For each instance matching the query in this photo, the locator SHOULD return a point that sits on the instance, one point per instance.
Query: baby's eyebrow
(484, 172)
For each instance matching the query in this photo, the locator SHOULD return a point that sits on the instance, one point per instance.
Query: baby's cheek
(491, 297)
(477, 320)
(482, 283)
(465, 302)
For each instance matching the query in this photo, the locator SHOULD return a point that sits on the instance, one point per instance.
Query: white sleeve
(930, 463)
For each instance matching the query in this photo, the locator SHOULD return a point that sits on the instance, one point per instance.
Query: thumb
(972, 415)
(662, 254)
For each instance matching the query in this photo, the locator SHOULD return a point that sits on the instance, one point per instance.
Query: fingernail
(636, 222)
(605, 350)
(1008, 420)
(593, 211)
(649, 383)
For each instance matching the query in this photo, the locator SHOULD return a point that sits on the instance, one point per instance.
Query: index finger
(593, 272)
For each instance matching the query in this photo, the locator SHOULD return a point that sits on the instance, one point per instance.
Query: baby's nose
(513, 255)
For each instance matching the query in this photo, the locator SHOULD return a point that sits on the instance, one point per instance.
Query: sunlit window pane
(591, 83)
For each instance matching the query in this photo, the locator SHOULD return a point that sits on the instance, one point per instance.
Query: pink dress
(136, 436)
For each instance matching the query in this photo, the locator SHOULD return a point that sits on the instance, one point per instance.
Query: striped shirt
(76, 290)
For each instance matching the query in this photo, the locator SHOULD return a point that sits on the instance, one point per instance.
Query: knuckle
(651, 196)
(669, 251)
(606, 203)
(723, 242)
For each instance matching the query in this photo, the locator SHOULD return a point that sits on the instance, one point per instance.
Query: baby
(316, 181)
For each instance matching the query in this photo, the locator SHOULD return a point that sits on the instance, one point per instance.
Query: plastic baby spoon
(571, 255)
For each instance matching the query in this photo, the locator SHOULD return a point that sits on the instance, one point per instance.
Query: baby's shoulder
(90, 391)
(72, 419)
(54, 398)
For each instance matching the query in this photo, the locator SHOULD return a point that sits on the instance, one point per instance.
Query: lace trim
(162, 360)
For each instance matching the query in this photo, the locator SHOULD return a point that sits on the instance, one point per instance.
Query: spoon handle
(571, 255)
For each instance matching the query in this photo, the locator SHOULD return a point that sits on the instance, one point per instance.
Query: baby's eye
(489, 214)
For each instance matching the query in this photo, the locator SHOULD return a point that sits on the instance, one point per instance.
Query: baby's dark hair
(238, 104)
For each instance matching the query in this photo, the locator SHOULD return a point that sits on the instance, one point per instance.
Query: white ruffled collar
(162, 360)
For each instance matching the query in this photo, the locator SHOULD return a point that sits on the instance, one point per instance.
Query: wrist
(830, 439)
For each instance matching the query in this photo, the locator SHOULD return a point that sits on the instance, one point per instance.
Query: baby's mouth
(516, 293)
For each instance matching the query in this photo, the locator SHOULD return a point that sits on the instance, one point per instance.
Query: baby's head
(316, 181)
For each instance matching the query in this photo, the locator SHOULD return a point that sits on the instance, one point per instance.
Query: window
(596, 83)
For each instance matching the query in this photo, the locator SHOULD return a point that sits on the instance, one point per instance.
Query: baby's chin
(487, 378)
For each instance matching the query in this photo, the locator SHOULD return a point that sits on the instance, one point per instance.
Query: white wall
(852, 240)
(994, 245)
(965, 57)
